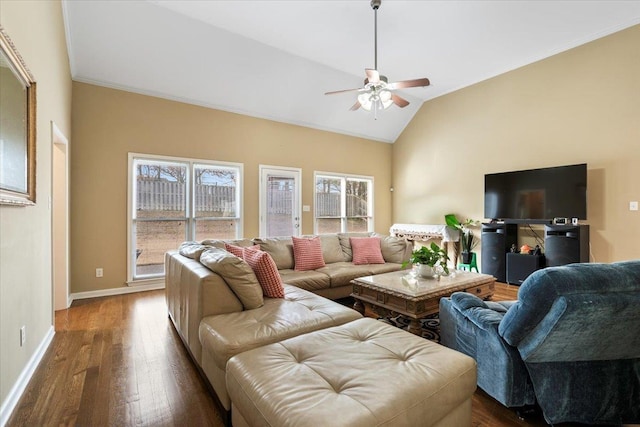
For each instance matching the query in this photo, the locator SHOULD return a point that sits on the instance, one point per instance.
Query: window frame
(344, 177)
(190, 217)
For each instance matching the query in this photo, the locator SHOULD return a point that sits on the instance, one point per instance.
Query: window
(344, 203)
(172, 200)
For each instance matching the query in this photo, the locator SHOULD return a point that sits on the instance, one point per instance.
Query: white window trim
(131, 213)
(343, 195)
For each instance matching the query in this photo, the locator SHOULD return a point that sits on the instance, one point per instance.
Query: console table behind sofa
(425, 232)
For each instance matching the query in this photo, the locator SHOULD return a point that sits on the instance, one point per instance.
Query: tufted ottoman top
(299, 312)
(363, 373)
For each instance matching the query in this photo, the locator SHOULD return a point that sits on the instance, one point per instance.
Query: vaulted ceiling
(276, 59)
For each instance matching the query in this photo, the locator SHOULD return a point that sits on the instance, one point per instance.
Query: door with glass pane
(279, 201)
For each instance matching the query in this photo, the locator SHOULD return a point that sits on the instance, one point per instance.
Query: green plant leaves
(452, 221)
(431, 255)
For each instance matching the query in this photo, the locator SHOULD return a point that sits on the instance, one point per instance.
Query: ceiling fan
(377, 93)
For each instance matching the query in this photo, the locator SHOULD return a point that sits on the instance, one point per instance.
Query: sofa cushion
(308, 280)
(299, 312)
(238, 275)
(280, 249)
(387, 267)
(192, 250)
(307, 253)
(345, 244)
(366, 250)
(266, 271)
(331, 249)
(342, 273)
(395, 249)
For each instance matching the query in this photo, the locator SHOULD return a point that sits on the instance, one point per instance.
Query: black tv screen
(536, 195)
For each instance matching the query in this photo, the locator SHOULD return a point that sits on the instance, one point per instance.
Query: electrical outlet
(23, 336)
(99, 272)
(633, 206)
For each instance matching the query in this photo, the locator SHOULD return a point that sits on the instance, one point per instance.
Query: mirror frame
(24, 77)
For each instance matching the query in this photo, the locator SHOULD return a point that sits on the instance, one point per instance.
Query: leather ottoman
(363, 373)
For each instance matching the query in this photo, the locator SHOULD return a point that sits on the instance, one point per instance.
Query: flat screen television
(536, 195)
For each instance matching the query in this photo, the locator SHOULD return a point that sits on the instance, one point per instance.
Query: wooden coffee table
(415, 297)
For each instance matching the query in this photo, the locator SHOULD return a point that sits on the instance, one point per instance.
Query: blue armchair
(571, 342)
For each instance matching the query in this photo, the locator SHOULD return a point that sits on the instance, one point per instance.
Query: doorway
(280, 201)
(59, 219)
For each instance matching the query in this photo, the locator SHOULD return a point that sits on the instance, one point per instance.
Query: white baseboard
(116, 291)
(20, 385)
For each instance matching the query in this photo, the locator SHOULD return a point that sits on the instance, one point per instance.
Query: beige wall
(107, 124)
(37, 30)
(581, 106)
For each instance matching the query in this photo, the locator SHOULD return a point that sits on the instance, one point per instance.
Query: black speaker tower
(496, 242)
(566, 244)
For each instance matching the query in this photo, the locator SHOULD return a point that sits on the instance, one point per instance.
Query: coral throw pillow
(266, 271)
(237, 250)
(366, 250)
(307, 253)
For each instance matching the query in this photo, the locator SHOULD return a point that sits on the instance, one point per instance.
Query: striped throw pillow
(366, 250)
(266, 271)
(307, 253)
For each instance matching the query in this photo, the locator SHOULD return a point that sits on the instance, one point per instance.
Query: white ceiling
(276, 59)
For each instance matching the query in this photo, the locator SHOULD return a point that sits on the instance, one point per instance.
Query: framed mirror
(17, 127)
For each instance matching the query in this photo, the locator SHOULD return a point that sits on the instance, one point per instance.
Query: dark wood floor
(117, 361)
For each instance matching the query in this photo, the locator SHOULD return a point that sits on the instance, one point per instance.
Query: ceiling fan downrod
(375, 5)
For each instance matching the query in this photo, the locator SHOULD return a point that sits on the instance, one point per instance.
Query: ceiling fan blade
(372, 75)
(342, 91)
(399, 101)
(355, 106)
(409, 83)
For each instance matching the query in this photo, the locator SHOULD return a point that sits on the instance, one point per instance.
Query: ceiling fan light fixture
(377, 93)
(375, 101)
(365, 101)
(376, 98)
(385, 98)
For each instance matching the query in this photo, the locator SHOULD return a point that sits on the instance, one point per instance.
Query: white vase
(426, 271)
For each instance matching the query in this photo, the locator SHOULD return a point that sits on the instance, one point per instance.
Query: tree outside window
(343, 203)
(175, 200)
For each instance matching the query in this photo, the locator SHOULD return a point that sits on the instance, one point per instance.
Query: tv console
(564, 244)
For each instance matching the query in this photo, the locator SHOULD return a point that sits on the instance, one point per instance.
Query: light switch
(306, 208)
(633, 206)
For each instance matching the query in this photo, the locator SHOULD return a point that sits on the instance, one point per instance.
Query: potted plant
(428, 258)
(467, 239)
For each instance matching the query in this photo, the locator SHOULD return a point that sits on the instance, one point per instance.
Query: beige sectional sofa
(210, 317)
(334, 280)
(332, 354)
